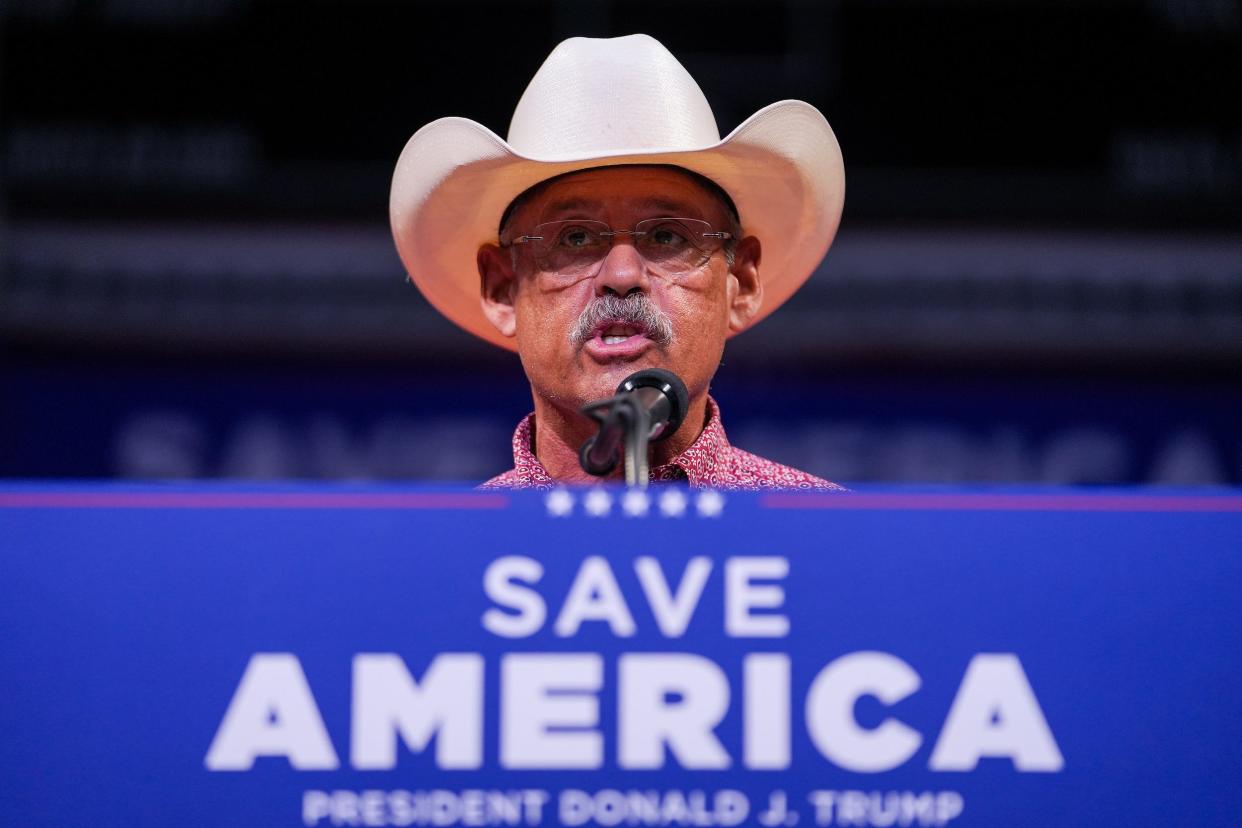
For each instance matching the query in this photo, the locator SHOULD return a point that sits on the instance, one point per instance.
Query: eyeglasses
(673, 246)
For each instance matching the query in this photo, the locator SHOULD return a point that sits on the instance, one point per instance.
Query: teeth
(613, 340)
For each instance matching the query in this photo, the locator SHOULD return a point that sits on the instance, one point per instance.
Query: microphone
(648, 407)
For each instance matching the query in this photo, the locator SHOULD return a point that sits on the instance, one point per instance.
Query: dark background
(1038, 276)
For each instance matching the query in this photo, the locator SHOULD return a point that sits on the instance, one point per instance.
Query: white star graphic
(559, 502)
(635, 503)
(710, 504)
(597, 503)
(673, 503)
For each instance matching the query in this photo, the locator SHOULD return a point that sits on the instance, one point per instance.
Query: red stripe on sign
(1002, 503)
(243, 500)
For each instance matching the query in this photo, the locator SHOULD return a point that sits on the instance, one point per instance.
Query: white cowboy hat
(602, 102)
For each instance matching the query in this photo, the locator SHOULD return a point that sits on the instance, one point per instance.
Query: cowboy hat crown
(603, 102)
(647, 98)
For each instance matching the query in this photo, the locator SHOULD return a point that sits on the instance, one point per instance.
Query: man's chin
(602, 380)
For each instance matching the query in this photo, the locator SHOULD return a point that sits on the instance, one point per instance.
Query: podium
(373, 655)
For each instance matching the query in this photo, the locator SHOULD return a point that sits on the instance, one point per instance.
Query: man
(615, 231)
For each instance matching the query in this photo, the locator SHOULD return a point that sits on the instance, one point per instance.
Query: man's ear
(748, 297)
(498, 285)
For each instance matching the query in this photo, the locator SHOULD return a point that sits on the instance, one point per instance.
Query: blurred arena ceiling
(1028, 182)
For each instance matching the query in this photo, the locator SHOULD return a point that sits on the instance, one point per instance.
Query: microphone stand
(649, 406)
(635, 421)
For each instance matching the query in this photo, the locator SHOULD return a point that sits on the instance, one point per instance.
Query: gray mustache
(635, 309)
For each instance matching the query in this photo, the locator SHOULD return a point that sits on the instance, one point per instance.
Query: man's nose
(623, 270)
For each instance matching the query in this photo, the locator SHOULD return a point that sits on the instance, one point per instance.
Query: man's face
(548, 304)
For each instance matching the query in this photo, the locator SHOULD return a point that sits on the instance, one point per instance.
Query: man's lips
(614, 332)
(617, 341)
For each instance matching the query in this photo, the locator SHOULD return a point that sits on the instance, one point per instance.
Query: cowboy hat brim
(782, 167)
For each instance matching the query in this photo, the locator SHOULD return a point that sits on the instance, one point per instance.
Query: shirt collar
(709, 451)
(525, 463)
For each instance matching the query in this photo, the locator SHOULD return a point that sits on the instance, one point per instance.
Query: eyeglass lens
(673, 245)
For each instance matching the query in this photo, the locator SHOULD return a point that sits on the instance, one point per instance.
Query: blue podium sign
(376, 656)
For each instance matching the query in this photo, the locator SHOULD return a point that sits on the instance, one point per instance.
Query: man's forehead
(601, 200)
(663, 189)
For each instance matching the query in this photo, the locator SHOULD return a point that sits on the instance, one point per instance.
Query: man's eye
(667, 236)
(576, 237)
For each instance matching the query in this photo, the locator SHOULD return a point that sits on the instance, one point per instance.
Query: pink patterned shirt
(709, 462)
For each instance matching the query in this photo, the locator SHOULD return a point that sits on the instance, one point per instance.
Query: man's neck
(559, 434)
